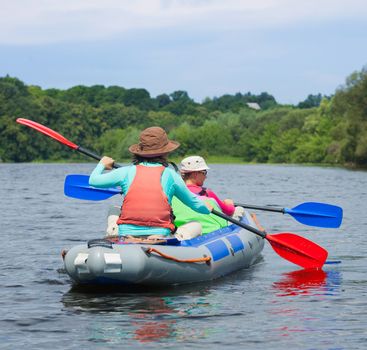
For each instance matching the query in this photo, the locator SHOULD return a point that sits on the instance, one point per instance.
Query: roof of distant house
(253, 105)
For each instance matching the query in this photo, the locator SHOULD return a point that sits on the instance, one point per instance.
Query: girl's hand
(107, 162)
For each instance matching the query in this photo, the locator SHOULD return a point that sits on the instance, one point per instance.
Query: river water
(272, 305)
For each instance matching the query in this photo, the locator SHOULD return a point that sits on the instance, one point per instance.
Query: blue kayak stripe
(236, 243)
(212, 236)
(218, 249)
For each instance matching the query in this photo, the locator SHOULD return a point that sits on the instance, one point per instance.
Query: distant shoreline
(209, 159)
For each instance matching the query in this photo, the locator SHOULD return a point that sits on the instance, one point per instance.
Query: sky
(287, 48)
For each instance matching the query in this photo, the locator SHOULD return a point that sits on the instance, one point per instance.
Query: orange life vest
(145, 204)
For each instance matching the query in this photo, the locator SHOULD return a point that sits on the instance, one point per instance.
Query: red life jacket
(145, 204)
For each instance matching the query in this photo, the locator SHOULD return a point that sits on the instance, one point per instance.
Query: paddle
(77, 186)
(309, 213)
(289, 246)
(58, 137)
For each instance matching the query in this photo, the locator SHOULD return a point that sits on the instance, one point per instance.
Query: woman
(148, 185)
(194, 171)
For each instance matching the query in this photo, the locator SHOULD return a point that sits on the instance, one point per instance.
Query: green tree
(311, 101)
(349, 109)
(115, 143)
(139, 98)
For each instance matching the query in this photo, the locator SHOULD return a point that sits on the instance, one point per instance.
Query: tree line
(321, 129)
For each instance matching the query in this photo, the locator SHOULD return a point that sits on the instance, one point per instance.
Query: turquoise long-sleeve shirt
(172, 185)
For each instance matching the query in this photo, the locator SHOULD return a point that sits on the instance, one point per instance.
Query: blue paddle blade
(77, 186)
(317, 214)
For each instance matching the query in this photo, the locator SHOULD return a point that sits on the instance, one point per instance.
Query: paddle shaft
(94, 156)
(256, 207)
(239, 223)
(115, 165)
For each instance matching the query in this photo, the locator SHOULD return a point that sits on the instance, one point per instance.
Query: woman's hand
(107, 162)
(228, 201)
(209, 206)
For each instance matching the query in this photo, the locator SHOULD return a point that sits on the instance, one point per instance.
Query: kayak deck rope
(256, 221)
(63, 253)
(205, 259)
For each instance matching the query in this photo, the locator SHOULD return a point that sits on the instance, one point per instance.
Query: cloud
(53, 21)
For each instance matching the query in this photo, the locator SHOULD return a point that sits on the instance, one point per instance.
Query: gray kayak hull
(228, 249)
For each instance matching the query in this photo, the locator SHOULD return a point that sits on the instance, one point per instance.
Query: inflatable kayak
(204, 258)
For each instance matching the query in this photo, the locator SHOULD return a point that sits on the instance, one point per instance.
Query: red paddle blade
(47, 131)
(298, 250)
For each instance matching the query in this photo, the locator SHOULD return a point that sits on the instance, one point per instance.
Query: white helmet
(193, 163)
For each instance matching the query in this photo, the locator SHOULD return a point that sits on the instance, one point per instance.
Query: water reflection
(299, 296)
(147, 315)
(152, 319)
(308, 282)
(300, 282)
(138, 315)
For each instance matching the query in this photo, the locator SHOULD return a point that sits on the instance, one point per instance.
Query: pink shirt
(227, 209)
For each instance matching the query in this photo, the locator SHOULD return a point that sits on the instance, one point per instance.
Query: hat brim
(170, 147)
(186, 171)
